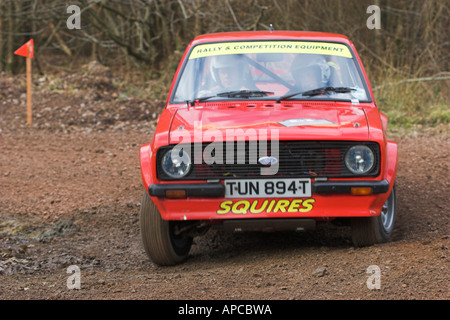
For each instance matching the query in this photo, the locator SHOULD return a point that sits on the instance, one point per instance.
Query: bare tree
(413, 38)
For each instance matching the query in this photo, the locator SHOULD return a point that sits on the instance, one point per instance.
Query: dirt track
(70, 195)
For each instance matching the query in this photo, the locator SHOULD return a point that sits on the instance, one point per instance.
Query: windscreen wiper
(198, 100)
(232, 94)
(316, 92)
(244, 93)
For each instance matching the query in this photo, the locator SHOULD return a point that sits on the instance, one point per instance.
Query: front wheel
(372, 230)
(162, 243)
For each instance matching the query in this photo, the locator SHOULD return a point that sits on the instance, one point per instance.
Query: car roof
(270, 35)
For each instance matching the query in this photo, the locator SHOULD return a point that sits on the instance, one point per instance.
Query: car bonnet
(293, 121)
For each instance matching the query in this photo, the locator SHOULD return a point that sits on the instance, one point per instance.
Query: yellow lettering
(294, 205)
(281, 206)
(225, 206)
(308, 205)
(270, 206)
(261, 209)
(243, 204)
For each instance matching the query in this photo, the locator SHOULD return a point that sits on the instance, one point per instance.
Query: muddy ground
(70, 192)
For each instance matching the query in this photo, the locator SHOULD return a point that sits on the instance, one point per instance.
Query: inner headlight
(359, 159)
(176, 163)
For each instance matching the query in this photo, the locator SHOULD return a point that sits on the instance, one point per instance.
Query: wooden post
(29, 91)
(27, 50)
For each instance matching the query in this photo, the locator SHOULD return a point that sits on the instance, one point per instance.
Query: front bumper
(207, 190)
(217, 189)
(329, 199)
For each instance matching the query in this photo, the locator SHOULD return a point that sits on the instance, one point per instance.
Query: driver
(230, 73)
(310, 72)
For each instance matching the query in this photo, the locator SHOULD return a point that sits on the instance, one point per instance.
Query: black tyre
(163, 246)
(372, 230)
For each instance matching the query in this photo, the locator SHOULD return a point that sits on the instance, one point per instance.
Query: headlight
(359, 159)
(176, 163)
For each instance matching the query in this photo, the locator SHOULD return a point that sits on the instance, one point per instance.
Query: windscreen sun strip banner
(249, 47)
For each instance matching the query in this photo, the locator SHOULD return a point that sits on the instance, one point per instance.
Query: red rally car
(267, 130)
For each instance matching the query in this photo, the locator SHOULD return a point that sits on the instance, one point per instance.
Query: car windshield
(262, 70)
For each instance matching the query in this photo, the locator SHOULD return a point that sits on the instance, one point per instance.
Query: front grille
(295, 159)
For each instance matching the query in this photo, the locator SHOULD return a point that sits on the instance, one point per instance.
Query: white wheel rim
(387, 212)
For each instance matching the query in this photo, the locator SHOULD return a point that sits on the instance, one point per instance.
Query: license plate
(273, 188)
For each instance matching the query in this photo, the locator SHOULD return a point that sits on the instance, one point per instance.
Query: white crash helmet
(226, 61)
(313, 62)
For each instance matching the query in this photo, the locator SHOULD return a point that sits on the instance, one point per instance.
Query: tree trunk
(2, 9)
(10, 38)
